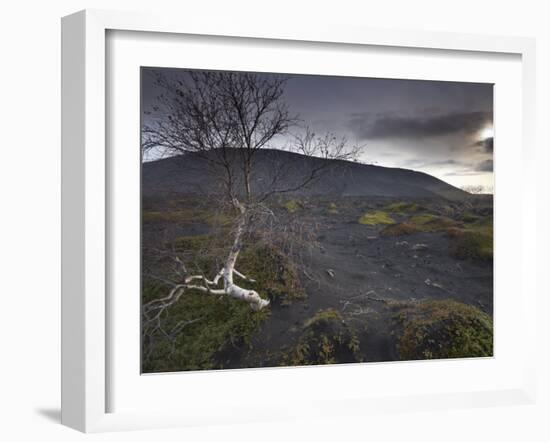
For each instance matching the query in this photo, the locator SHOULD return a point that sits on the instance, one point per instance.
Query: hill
(190, 173)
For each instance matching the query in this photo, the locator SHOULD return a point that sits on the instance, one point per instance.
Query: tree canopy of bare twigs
(226, 118)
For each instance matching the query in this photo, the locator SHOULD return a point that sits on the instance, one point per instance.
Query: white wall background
(30, 220)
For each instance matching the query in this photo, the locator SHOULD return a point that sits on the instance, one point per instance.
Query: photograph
(301, 219)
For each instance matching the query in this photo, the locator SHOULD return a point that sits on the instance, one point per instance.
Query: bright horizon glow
(487, 132)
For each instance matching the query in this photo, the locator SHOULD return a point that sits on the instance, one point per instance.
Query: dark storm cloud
(486, 144)
(431, 126)
(485, 166)
(396, 126)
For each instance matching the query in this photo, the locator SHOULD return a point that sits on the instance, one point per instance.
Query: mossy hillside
(439, 329)
(376, 218)
(325, 339)
(223, 322)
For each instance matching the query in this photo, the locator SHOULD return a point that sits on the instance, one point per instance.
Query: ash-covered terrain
(381, 264)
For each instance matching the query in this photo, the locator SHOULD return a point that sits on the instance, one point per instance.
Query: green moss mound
(424, 218)
(203, 254)
(443, 329)
(473, 241)
(427, 222)
(325, 339)
(376, 218)
(400, 229)
(419, 223)
(402, 207)
(473, 245)
(482, 225)
(275, 274)
(333, 209)
(469, 217)
(293, 206)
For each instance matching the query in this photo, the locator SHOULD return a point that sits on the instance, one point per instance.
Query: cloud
(463, 173)
(365, 126)
(486, 144)
(485, 166)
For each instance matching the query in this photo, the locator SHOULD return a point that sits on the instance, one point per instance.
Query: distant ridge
(190, 173)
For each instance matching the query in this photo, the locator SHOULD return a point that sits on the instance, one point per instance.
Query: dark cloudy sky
(438, 127)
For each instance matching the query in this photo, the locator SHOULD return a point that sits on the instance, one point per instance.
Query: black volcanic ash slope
(191, 174)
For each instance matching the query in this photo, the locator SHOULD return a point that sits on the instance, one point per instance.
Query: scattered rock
(402, 243)
(420, 246)
(430, 283)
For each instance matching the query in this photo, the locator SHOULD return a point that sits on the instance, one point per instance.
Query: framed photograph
(292, 223)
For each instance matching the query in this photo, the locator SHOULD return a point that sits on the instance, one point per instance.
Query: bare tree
(226, 118)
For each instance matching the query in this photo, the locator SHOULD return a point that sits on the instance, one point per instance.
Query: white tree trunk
(232, 289)
(200, 283)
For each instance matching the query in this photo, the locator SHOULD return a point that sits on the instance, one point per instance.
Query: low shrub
(325, 339)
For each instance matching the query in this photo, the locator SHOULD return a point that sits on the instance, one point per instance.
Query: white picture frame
(85, 209)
